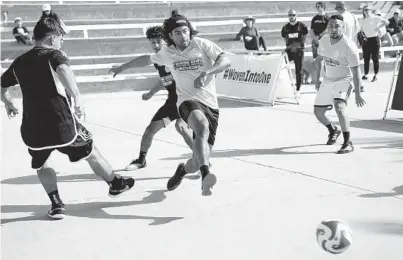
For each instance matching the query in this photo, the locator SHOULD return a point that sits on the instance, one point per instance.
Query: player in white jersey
(193, 63)
(340, 55)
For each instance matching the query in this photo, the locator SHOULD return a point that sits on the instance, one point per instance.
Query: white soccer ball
(334, 236)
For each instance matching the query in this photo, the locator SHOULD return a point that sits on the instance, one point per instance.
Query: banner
(253, 77)
(397, 101)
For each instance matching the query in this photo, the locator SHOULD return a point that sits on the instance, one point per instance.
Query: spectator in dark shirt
(395, 27)
(21, 33)
(250, 35)
(318, 26)
(294, 34)
(48, 122)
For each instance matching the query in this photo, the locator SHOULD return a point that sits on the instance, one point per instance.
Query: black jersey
(168, 82)
(47, 119)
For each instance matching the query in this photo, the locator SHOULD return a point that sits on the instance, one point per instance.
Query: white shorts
(330, 91)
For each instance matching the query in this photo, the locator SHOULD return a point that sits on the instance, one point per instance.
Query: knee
(180, 127)
(339, 108)
(202, 129)
(318, 111)
(151, 130)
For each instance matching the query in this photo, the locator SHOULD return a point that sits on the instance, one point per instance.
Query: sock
(142, 156)
(204, 170)
(346, 136)
(331, 128)
(55, 198)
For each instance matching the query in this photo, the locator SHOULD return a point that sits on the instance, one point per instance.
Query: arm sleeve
(210, 48)
(58, 58)
(312, 21)
(25, 29)
(15, 30)
(283, 32)
(8, 78)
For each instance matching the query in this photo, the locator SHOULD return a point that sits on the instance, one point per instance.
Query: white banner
(253, 77)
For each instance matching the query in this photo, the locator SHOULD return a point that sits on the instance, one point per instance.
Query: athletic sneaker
(135, 165)
(123, 185)
(57, 212)
(176, 180)
(347, 147)
(332, 138)
(207, 184)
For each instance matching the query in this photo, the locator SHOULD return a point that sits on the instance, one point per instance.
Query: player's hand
(317, 85)
(79, 110)
(200, 81)
(115, 70)
(359, 100)
(147, 96)
(12, 110)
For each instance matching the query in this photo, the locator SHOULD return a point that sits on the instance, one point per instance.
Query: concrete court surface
(276, 182)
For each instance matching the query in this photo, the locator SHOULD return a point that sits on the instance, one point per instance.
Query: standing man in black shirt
(168, 112)
(318, 27)
(294, 34)
(48, 122)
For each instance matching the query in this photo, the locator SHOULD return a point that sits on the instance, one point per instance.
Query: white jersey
(187, 65)
(338, 58)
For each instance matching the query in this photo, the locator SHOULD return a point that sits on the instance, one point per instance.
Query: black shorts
(211, 114)
(168, 110)
(81, 148)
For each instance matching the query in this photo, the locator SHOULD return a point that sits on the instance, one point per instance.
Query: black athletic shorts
(81, 148)
(211, 114)
(168, 110)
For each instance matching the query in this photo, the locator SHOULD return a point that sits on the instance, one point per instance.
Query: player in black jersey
(167, 113)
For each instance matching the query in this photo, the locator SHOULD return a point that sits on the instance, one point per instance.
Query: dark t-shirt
(293, 34)
(396, 25)
(20, 30)
(319, 23)
(169, 83)
(252, 44)
(47, 119)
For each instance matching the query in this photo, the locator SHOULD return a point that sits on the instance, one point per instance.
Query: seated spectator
(384, 36)
(395, 27)
(21, 33)
(250, 35)
(47, 12)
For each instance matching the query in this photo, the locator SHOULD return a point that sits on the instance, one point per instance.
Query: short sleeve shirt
(187, 65)
(47, 119)
(339, 58)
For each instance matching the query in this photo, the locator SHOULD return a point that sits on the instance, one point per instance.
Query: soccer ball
(334, 236)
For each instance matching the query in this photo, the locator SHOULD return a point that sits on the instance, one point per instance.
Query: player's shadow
(379, 125)
(251, 152)
(94, 210)
(397, 191)
(33, 179)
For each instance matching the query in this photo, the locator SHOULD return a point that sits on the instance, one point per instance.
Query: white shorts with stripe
(330, 91)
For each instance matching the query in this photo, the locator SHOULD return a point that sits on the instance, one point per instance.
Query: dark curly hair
(154, 32)
(169, 25)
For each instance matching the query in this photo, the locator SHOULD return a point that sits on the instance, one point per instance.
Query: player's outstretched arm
(140, 61)
(153, 91)
(6, 98)
(357, 85)
(221, 64)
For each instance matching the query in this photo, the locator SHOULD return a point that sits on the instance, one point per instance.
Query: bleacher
(104, 33)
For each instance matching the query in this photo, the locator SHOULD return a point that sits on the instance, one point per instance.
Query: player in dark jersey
(48, 87)
(167, 113)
